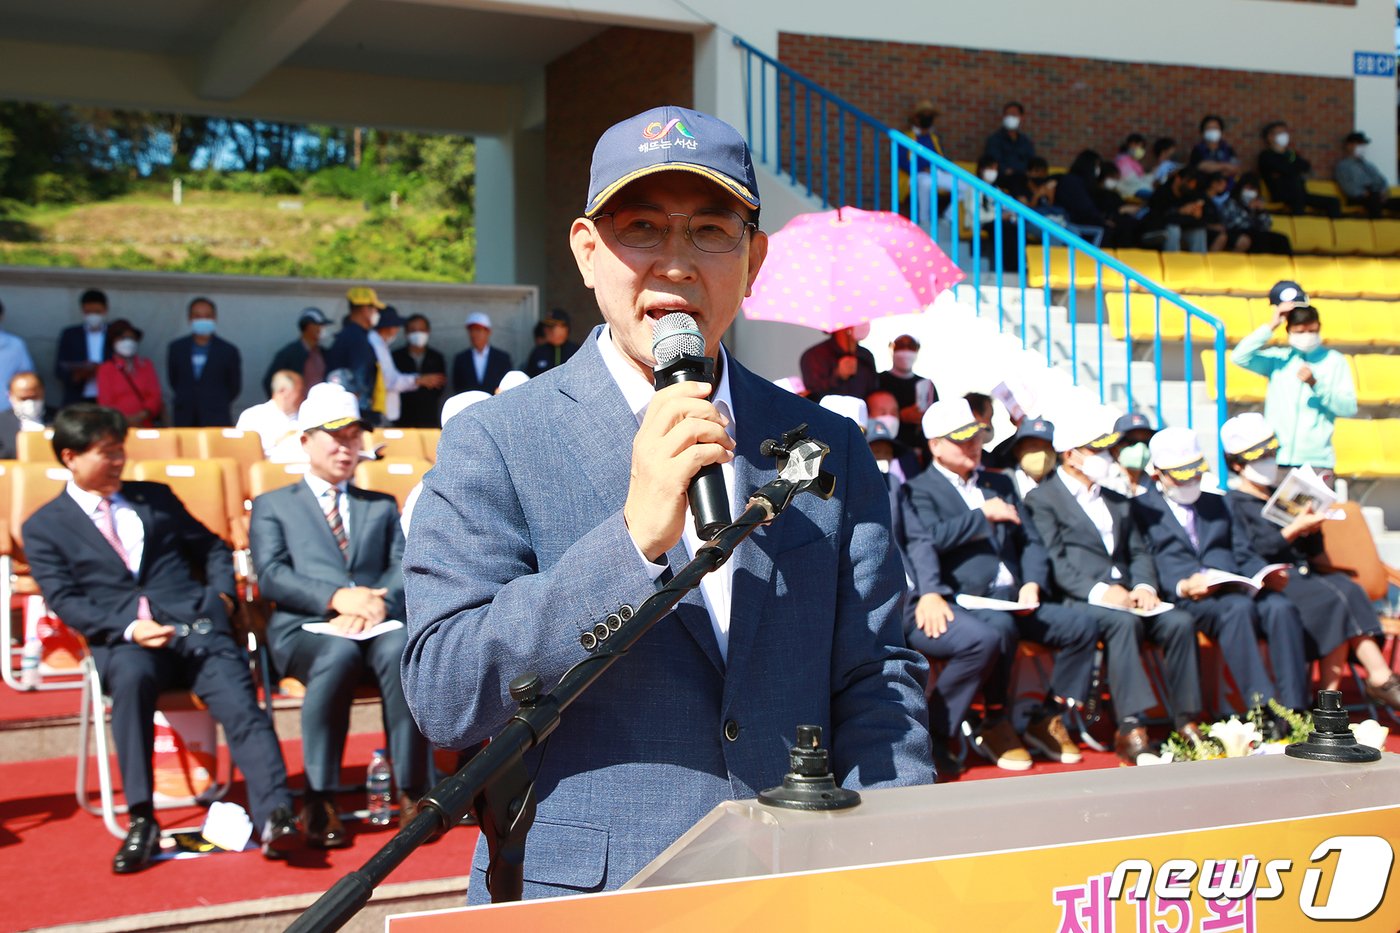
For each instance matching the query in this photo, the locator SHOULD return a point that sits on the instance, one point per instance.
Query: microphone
(679, 350)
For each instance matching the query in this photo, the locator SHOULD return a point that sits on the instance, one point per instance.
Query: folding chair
(395, 475)
(30, 486)
(1350, 549)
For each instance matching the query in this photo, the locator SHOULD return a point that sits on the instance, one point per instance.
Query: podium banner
(1333, 871)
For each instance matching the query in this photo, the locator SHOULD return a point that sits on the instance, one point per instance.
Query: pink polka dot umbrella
(845, 267)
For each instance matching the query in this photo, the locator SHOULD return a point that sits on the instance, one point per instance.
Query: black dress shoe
(324, 830)
(142, 841)
(944, 764)
(282, 835)
(1129, 745)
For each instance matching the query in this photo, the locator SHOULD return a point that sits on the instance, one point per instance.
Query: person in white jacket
(393, 383)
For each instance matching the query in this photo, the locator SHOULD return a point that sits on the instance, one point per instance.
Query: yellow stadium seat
(1371, 278)
(1281, 223)
(1313, 235)
(1145, 262)
(1269, 269)
(1377, 378)
(1143, 310)
(1187, 272)
(1363, 323)
(1084, 268)
(1357, 442)
(1237, 314)
(1352, 237)
(1389, 431)
(1322, 276)
(1387, 233)
(1233, 273)
(1325, 187)
(1241, 385)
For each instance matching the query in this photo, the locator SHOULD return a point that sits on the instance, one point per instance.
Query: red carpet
(45, 838)
(38, 704)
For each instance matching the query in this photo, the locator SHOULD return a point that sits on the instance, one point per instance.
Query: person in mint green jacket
(1310, 386)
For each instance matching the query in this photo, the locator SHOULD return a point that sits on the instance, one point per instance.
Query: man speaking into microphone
(555, 504)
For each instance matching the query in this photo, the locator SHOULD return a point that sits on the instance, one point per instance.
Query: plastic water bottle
(30, 656)
(378, 779)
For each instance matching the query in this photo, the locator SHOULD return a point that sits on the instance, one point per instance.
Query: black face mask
(924, 121)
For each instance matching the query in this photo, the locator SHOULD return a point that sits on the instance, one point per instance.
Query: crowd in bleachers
(1204, 200)
(1090, 526)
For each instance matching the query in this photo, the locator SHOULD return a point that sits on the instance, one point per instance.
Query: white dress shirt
(318, 489)
(974, 497)
(394, 381)
(130, 532)
(716, 587)
(272, 424)
(1186, 515)
(479, 358)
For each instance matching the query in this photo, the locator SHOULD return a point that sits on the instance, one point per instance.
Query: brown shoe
(408, 809)
(1129, 745)
(998, 744)
(1387, 693)
(324, 830)
(1050, 737)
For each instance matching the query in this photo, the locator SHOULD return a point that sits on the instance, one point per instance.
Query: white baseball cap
(479, 319)
(460, 403)
(330, 407)
(848, 406)
(1090, 426)
(512, 379)
(952, 419)
(1177, 453)
(1248, 436)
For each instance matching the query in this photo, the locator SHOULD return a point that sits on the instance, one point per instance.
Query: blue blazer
(72, 350)
(206, 402)
(1171, 547)
(955, 549)
(518, 545)
(464, 371)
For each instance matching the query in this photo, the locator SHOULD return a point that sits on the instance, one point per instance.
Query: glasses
(201, 626)
(644, 226)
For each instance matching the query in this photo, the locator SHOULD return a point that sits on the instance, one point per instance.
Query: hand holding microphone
(679, 447)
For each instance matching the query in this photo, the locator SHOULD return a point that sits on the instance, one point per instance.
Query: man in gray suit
(330, 553)
(537, 522)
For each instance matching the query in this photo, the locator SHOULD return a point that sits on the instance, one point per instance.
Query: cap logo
(656, 131)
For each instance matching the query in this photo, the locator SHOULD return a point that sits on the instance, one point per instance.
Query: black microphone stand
(495, 783)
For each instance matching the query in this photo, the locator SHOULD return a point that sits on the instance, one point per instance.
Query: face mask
(989, 175)
(1306, 342)
(1248, 195)
(94, 321)
(1011, 122)
(1263, 471)
(924, 121)
(1211, 136)
(1110, 183)
(419, 339)
(202, 327)
(28, 409)
(1185, 494)
(374, 317)
(1037, 464)
(125, 347)
(1360, 151)
(884, 465)
(904, 359)
(890, 422)
(325, 341)
(1281, 140)
(1137, 152)
(1097, 467)
(1134, 456)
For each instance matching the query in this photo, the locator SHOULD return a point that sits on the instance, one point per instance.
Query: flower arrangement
(1236, 738)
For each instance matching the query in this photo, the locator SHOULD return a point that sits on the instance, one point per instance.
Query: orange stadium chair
(1312, 235)
(30, 485)
(396, 442)
(35, 446)
(430, 437)
(245, 447)
(152, 444)
(264, 476)
(395, 475)
(198, 484)
(1353, 237)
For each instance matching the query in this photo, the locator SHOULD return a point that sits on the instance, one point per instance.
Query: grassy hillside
(243, 233)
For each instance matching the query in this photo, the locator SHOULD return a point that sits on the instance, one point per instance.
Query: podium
(1251, 844)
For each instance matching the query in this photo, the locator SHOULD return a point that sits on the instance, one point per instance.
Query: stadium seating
(395, 475)
(265, 477)
(35, 446)
(1241, 385)
(1354, 237)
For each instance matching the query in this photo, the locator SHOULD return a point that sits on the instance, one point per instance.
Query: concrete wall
(256, 314)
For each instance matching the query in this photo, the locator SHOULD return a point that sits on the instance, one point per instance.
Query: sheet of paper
(325, 628)
(985, 602)
(1142, 613)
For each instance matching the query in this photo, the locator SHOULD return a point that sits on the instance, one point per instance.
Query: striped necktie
(332, 496)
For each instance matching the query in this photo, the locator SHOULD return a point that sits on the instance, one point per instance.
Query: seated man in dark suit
(1189, 532)
(329, 552)
(971, 520)
(27, 411)
(1102, 567)
(205, 372)
(479, 368)
(152, 591)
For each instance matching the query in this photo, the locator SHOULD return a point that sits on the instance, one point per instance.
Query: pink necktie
(107, 524)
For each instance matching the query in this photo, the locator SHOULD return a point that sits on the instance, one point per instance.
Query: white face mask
(1185, 494)
(419, 339)
(94, 321)
(1248, 195)
(904, 359)
(1011, 122)
(1306, 342)
(1263, 471)
(125, 347)
(1097, 467)
(890, 422)
(989, 175)
(374, 317)
(1281, 140)
(28, 409)
(1360, 151)
(1211, 136)
(1137, 152)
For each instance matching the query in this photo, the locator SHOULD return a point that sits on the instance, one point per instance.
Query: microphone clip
(800, 464)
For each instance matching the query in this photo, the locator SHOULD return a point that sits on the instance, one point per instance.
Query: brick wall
(619, 72)
(1073, 103)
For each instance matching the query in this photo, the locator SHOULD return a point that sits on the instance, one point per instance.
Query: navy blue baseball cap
(667, 139)
(1133, 421)
(1287, 291)
(1035, 427)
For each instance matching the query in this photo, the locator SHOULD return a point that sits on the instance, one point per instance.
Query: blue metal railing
(841, 156)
